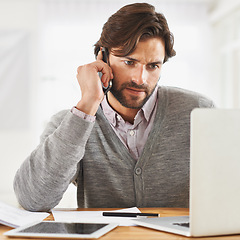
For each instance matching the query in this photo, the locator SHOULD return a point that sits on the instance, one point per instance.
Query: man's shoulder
(177, 91)
(184, 96)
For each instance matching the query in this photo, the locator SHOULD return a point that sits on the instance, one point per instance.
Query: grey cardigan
(94, 158)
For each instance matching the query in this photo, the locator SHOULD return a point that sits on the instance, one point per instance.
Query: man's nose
(140, 74)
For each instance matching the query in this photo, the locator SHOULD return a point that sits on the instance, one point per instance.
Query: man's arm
(44, 176)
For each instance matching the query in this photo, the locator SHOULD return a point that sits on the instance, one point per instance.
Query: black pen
(128, 214)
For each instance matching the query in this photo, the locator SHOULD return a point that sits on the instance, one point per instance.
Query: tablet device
(51, 229)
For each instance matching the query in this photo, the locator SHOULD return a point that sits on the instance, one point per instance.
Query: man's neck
(128, 114)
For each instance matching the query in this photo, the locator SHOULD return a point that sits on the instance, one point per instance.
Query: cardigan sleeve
(44, 176)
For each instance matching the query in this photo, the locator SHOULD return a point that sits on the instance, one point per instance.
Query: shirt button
(138, 171)
(132, 132)
(118, 118)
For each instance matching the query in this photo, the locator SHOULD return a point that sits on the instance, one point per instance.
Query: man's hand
(91, 84)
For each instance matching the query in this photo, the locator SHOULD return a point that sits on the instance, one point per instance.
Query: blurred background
(42, 42)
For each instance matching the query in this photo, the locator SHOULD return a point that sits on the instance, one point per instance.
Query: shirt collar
(110, 114)
(145, 112)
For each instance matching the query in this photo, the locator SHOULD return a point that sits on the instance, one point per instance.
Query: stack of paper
(94, 217)
(15, 217)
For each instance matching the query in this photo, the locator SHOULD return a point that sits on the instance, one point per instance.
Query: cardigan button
(138, 171)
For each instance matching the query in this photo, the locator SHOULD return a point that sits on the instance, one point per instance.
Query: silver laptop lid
(215, 172)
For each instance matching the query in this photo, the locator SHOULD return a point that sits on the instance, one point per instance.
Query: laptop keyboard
(182, 224)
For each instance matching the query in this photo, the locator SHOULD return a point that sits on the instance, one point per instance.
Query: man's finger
(100, 55)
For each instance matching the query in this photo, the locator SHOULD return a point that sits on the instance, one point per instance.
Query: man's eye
(153, 66)
(127, 62)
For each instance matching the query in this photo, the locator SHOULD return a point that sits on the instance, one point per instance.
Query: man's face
(136, 75)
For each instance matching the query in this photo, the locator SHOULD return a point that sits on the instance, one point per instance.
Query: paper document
(15, 217)
(94, 216)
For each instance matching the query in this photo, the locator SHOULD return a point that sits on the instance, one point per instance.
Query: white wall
(17, 18)
(225, 21)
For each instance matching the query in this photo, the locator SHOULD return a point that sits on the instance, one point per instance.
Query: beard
(131, 101)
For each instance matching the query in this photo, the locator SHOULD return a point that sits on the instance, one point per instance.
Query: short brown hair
(131, 24)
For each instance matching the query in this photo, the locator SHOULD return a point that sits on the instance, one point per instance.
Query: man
(128, 148)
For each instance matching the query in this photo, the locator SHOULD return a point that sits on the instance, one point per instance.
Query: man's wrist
(89, 107)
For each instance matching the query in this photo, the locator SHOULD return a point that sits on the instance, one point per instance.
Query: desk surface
(137, 233)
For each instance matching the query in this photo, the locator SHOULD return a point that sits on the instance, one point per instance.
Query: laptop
(214, 178)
